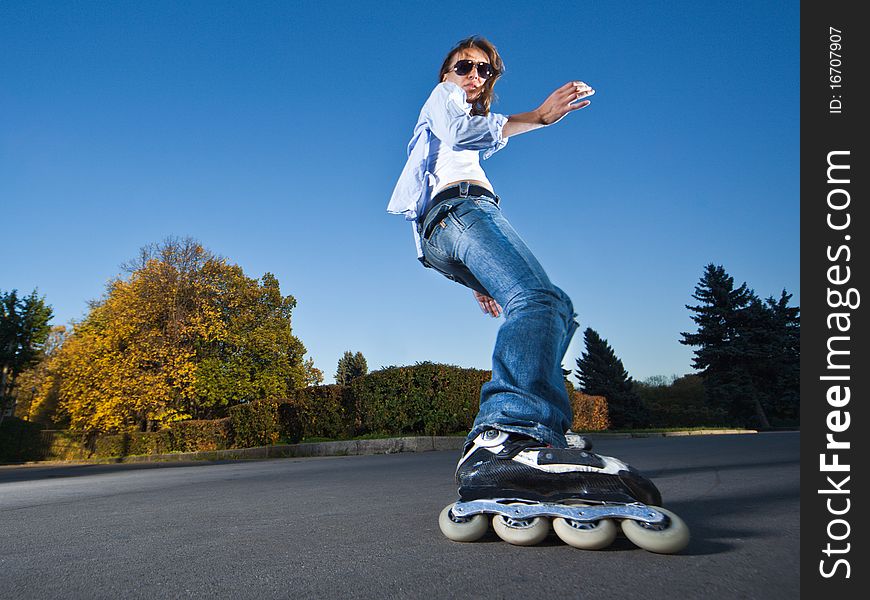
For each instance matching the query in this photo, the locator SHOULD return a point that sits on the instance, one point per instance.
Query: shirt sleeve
(450, 120)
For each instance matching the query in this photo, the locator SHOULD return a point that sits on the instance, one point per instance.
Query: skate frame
(581, 513)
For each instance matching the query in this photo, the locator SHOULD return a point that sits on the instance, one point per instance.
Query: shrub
(20, 441)
(63, 444)
(680, 404)
(590, 412)
(130, 444)
(318, 411)
(200, 435)
(423, 399)
(427, 398)
(255, 423)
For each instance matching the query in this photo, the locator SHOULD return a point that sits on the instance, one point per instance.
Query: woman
(460, 232)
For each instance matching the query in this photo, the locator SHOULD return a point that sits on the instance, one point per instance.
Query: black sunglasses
(484, 69)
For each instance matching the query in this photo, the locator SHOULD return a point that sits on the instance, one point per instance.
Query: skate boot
(521, 482)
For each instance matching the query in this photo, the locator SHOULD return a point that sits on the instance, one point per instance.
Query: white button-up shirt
(447, 116)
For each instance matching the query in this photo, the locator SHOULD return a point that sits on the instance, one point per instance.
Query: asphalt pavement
(367, 527)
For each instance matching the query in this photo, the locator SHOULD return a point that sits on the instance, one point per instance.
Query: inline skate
(521, 482)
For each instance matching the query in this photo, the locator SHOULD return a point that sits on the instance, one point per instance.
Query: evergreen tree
(775, 348)
(724, 319)
(601, 373)
(24, 329)
(748, 350)
(718, 318)
(787, 321)
(350, 366)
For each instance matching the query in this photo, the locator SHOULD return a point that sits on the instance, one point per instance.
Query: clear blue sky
(273, 132)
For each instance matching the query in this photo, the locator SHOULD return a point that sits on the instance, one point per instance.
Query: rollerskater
(517, 465)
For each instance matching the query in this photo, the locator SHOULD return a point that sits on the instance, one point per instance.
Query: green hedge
(198, 435)
(63, 444)
(680, 404)
(255, 423)
(21, 441)
(181, 436)
(428, 399)
(131, 444)
(318, 411)
(423, 399)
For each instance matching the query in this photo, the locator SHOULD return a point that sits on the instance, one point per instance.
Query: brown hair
(484, 100)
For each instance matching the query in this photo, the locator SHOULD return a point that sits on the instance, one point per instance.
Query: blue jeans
(474, 245)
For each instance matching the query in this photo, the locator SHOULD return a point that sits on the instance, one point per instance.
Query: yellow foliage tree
(36, 392)
(185, 336)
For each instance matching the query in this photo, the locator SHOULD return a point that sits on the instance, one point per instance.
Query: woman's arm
(447, 114)
(556, 106)
(488, 305)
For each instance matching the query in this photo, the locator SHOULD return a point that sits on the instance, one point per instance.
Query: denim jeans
(474, 245)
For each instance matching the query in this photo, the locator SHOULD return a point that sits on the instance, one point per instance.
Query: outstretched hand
(563, 101)
(487, 304)
(567, 98)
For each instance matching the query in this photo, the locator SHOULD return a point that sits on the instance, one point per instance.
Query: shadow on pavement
(19, 473)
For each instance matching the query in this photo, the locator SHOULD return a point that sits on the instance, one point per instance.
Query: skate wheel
(462, 529)
(586, 536)
(663, 539)
(525, 532)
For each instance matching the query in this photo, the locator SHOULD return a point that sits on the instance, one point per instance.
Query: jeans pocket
(434, 220)
(466, 213)
(437, 229)
(438, 259)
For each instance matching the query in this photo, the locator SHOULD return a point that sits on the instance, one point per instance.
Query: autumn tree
(185, 336)
(313, 375)
(36, 390)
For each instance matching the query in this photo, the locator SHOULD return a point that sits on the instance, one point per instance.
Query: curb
(306, 450)
(593, 436)
(345, 448)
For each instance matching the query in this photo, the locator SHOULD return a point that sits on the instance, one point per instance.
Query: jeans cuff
(543, 434)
